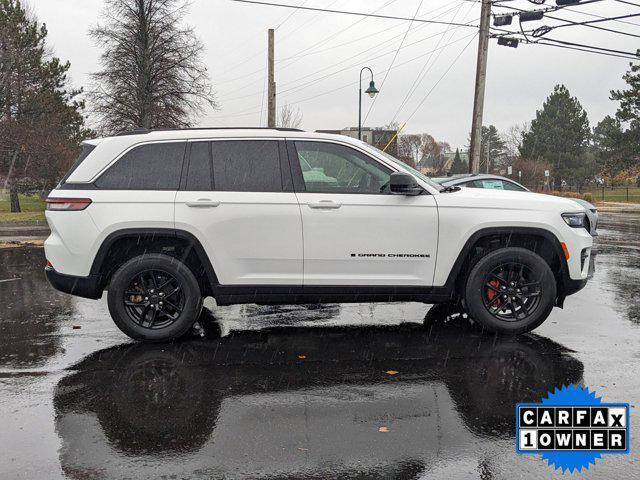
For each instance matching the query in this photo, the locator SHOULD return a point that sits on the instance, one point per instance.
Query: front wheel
(154, 298)
(511, 290)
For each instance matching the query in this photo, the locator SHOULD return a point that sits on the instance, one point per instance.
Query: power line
(352, 83)
(428, 65)
(393, 59)
(348, 66)
(316, 80)
(628, 3)
(291, 15)
(299, 54)
(597, 27)
(344, 12)
(588, 14)
(543, 42)
(609, 50)
(440, 79)
(589, 22)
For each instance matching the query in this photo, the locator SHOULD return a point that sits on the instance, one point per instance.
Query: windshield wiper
(450, 188)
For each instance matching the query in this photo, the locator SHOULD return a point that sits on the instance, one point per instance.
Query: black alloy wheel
(154, 299)
(511, 291)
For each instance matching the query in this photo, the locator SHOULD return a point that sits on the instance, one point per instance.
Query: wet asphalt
(304, 392)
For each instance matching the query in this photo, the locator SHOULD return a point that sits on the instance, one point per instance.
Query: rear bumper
(87, 287)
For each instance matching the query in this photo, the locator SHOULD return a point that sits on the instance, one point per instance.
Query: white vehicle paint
(272, 225)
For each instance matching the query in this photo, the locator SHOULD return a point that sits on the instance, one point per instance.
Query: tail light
(67, 203)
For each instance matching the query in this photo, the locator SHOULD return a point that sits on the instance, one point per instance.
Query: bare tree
(513, 140)
(152, 73)
(288, 117)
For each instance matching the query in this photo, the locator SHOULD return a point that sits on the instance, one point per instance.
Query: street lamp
(372, 91)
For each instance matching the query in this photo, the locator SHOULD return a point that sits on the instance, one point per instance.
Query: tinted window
(331, 168)
(154, 166)
(489, 184)
(199, 174)
(246, 166)
(513, 186)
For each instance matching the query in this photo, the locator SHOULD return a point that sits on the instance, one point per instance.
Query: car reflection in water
(300, 402)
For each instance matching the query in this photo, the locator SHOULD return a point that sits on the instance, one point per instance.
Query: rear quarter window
(86, 150)
(154, 166)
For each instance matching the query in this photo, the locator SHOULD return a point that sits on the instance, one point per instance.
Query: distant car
(497, 182)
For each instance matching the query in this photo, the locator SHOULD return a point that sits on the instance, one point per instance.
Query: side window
(472, 184)
(155, 166)
(492, 184)
(199, 177)
(513, 186)
(332, 168)
(246, 166)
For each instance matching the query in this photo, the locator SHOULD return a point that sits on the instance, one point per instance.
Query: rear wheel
(511, 290)
(154, 298)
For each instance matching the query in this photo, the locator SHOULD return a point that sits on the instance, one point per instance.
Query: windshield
(406, 167)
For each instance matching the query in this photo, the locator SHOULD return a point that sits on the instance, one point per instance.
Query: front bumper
(87, 287)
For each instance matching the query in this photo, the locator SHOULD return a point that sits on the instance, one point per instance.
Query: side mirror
(402, 183)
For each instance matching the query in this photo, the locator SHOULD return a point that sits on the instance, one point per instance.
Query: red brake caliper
(491, 293)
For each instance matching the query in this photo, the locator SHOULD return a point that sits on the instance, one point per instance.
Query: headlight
(575, 220)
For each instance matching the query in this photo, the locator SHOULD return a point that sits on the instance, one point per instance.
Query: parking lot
(321, 391)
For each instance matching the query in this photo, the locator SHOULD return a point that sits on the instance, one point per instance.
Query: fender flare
(490, 231)
(194, 243)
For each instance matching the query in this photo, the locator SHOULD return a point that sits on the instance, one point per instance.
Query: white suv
(164, 218)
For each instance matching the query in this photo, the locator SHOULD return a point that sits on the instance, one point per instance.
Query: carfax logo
(571, 428)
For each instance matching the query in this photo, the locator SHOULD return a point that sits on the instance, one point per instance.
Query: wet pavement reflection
(318, 391)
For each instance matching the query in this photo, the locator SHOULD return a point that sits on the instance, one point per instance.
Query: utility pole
(271, 90)
(481, 77)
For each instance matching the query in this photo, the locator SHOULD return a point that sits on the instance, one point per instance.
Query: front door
(239, 202)
(355, 231)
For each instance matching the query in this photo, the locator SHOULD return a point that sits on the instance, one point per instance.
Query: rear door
(237, 198)
(355, 231)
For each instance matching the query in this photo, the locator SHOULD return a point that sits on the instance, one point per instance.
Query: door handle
(203, 203)
(324, 204)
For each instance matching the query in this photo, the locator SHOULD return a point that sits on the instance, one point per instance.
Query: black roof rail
(142, 131)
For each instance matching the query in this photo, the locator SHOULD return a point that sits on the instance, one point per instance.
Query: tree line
(152, 76)
(558, 140)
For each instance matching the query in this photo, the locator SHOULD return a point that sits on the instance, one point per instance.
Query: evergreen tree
(609, 145)
(41, 121)
(492, 149)
(559, 135)
(458, 166)
(628, 115)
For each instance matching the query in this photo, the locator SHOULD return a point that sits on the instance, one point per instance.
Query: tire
(526, 280)
(154, 312)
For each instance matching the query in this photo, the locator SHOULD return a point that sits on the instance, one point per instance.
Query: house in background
(378, 137)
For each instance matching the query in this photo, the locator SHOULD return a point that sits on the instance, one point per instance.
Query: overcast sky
(319, 56)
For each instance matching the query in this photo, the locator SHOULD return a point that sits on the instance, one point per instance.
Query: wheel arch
(121, 245)
(540, 241)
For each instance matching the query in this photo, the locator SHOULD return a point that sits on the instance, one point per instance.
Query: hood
(585, 204)
(506, 200)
